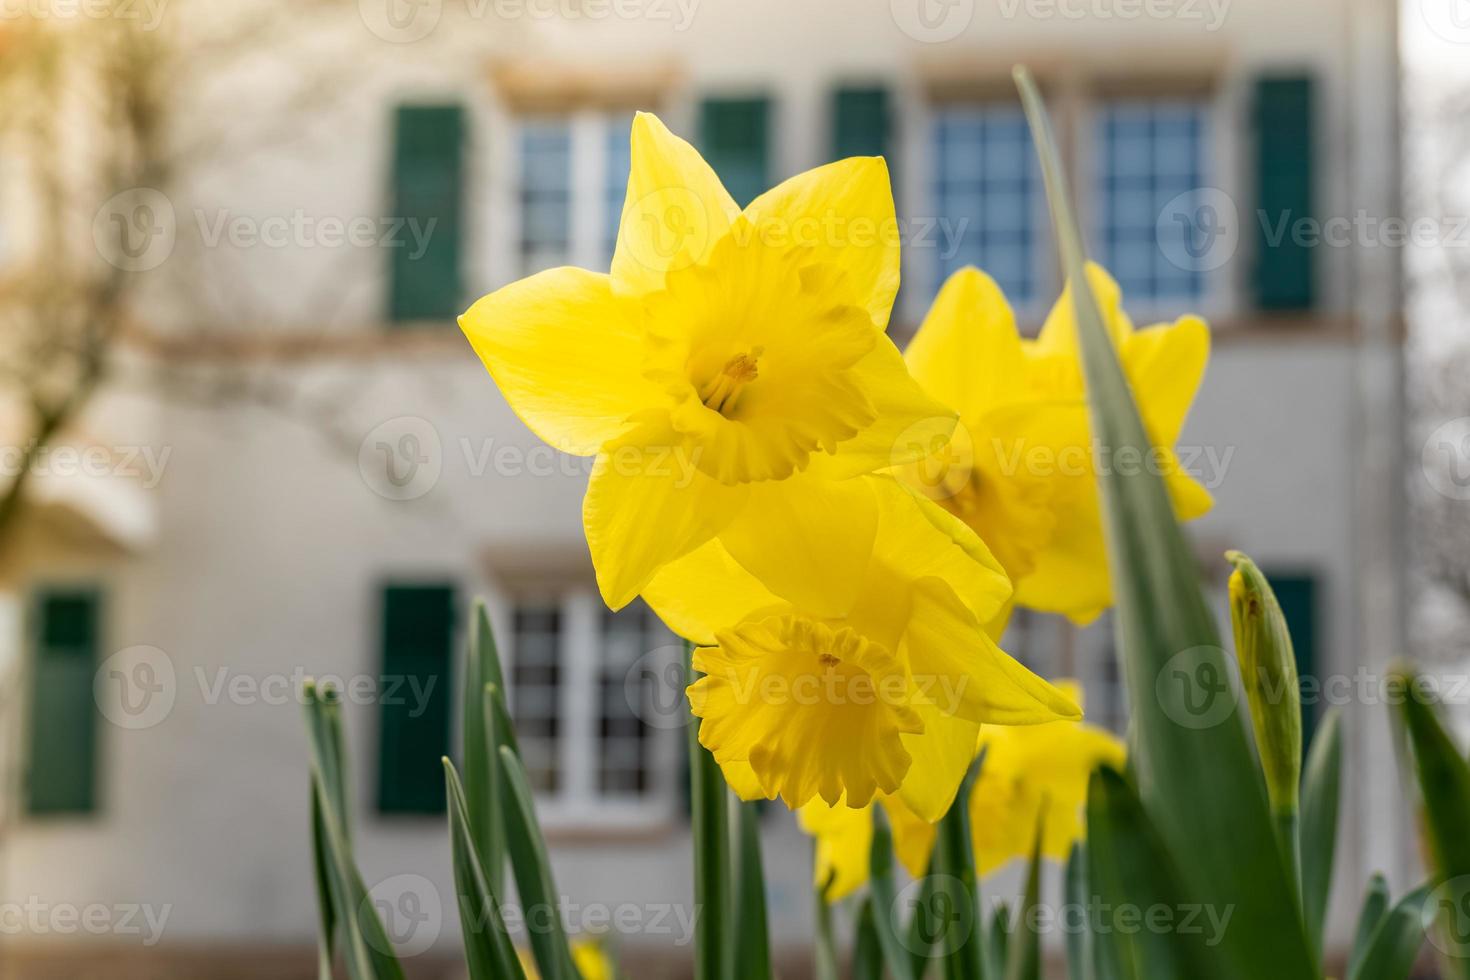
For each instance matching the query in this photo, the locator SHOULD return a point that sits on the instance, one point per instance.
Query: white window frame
(578, 804)
(587, 221)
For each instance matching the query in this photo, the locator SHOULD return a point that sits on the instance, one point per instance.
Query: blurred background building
(250, 446)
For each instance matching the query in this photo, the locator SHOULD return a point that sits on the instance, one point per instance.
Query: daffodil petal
(910, 424)
(1188, 495)
(967, 353)
(675, 210)
(844, 213)
(844, 837)
(566, 354)
(1165, 365)
(921, 539)
(941, 754)
(808, 540)
(913, 836)
(1059, 332)
(742, 780)
(959, 668)
(1070, 575)
(704, 591)
(644, 509)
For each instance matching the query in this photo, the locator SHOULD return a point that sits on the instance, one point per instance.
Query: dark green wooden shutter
(1284, 271)
(418, 636)
(861, 124)
(1297, 594)
(426, 225)
(63, 730)
(734, 135)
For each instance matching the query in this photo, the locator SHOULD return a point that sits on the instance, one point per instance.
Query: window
(61, 771)
(417, 646)
(987, 187)
(536, 692)
(573, 177)
(546, 194)
(576, 673)
(616, 161)
(1149, 152)
(428, 171)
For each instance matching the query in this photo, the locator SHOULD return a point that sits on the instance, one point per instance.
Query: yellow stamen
(722, 391)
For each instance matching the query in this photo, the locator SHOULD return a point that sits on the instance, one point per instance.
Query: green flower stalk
(1268, 672)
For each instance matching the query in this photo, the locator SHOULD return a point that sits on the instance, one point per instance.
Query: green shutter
(1297, 594)
(860, 123)
(734, 135)
(426, 227)
(63, 731)
(418, 635)
(1284, 274)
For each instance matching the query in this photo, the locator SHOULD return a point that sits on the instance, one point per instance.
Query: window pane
(626, 744)
(615, 178)
(546, 169)
(535, 694)
(987, 191)
(1149, 152)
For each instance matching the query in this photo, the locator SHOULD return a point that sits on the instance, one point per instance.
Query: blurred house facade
(158, 746)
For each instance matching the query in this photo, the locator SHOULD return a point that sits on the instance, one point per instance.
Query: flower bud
(1268, 673)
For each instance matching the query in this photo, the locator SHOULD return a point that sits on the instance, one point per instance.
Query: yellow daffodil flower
(731, 360)
(810, 691)
(590, 959)
(1021, 468)
(1029, 774)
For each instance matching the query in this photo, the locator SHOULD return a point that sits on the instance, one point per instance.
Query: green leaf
(366, 949)
(885, 899)
(918, 941)
(1024, 960)
(867, 955)
(1321, 789)
(998, 942)
(1079, 940)
(752, 950)
(1394, 944)
(1197, 776)
(1375, 907)
(1444, 786)
(322, 873)
(1129, 868)
(532, 870)
(489, 953)
(824, 956)
(957, 888)
(713, 890)
(481, 746)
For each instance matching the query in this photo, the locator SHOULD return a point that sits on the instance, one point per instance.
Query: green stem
(713, 895)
